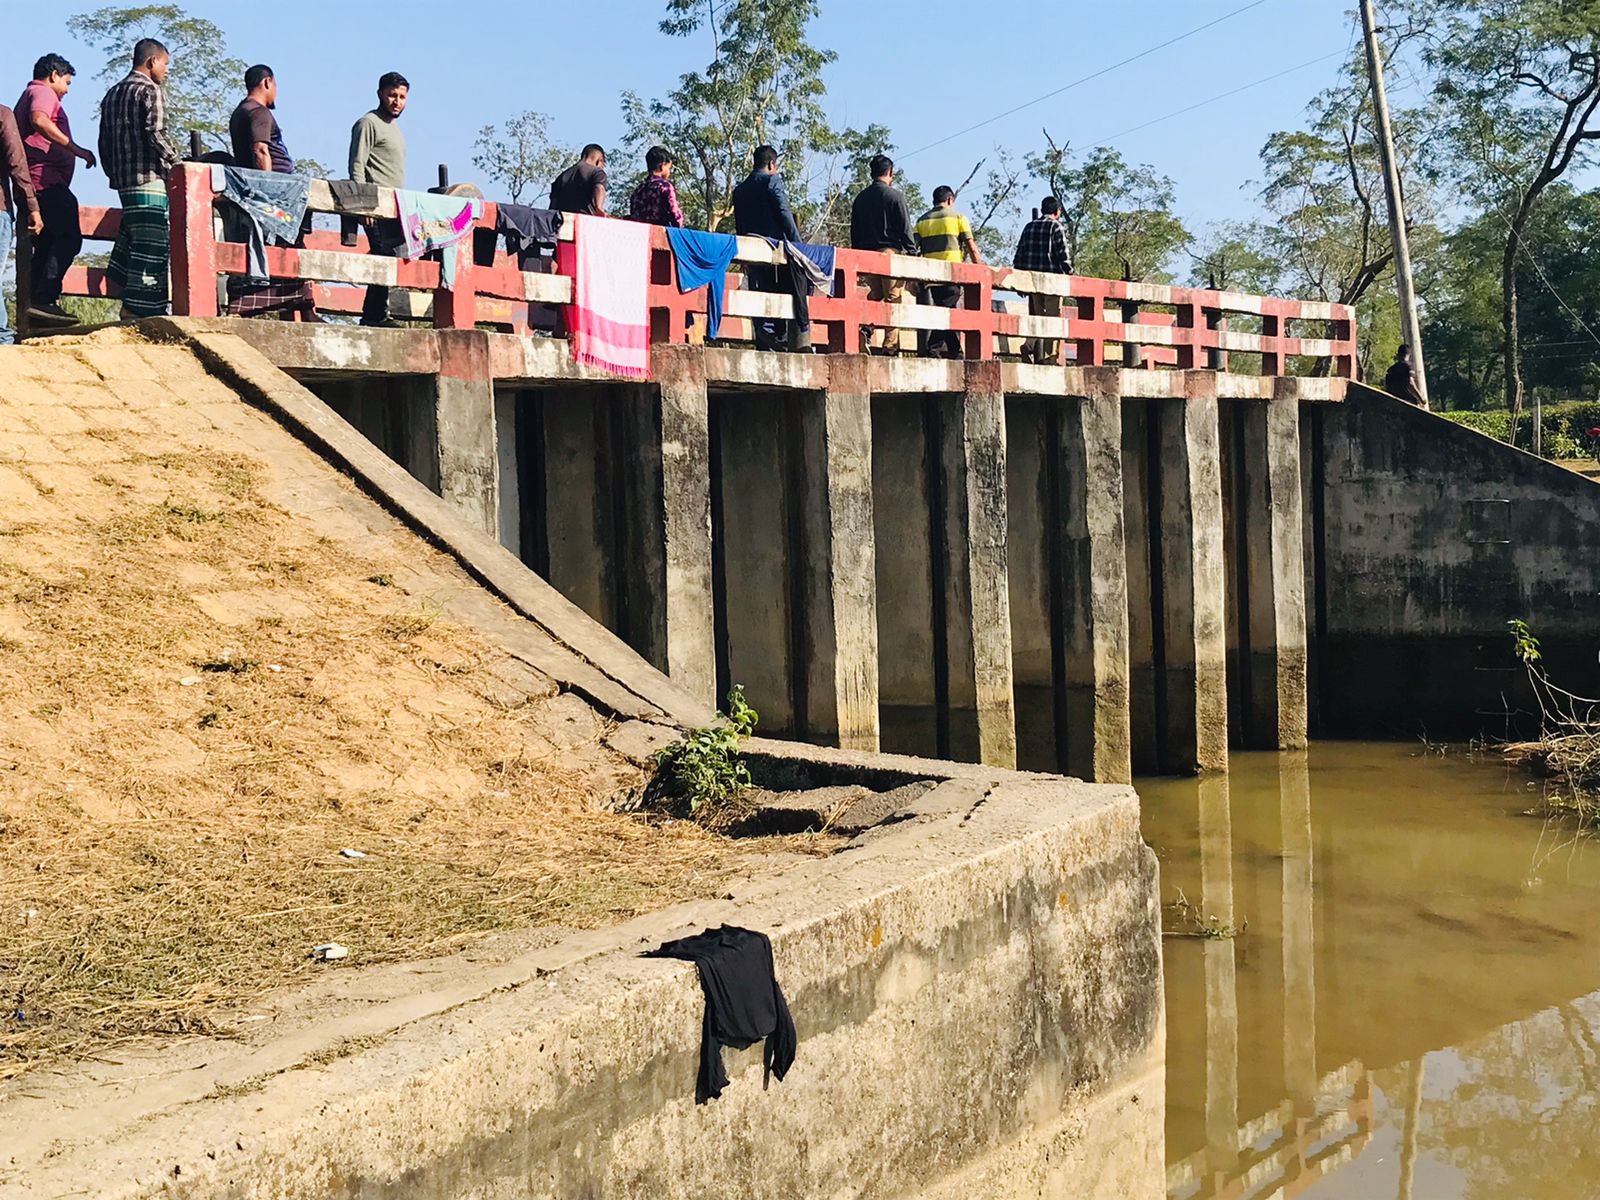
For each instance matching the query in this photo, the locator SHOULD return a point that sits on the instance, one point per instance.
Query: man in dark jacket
(880, 219)
(761, 209)
(1401, 380)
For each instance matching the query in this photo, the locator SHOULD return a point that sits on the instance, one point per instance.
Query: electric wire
(1173, 41)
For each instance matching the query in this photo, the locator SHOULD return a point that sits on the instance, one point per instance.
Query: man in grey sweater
(378, 157)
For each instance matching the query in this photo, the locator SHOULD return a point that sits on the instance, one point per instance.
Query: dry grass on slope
(202, 702)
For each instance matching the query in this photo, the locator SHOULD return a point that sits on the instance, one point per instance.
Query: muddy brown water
(1411, 1004)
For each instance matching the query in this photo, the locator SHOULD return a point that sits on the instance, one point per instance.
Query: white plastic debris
(328, 952)
(349, 853)
(275, 667)
(189, 681)
(29, 915)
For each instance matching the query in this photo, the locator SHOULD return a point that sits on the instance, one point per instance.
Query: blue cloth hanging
(702, 260)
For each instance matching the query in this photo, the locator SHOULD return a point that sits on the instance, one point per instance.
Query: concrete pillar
(1274, 548)
(469, 468)
(505, 432)
(1095, 583)
(1137, 517)
(976, 601)
(1033, 563)
(1193, 596)
(669, 547)
(579, 501)
(838, 561)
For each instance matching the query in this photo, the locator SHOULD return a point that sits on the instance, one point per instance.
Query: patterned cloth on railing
(702, 260)
(608, 262)
(802, 273)
(274, 205)
(434, 222)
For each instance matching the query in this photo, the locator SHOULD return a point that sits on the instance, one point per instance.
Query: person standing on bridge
(1043, 248)
(1401, 379)
(945, 236)
(137, 152)
(655, 201)
(52, 156)
(581, 188)
(761, 209)
(880, 219)
(14, 182)
(257, 144)
(378, 158)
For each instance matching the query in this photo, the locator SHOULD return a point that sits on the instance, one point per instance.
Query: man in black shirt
(581, 188)
(880, 219)
(1401, 381)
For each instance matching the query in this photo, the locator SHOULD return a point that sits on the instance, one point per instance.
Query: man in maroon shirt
(52, 156)
(14, 181)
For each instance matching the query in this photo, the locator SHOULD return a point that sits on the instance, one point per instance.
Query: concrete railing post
(194, 242)
(670, 577)
(977, 602)
(1193, 594)
(469, 466)
(1274, 550)
(840, 564)
(1095, 562)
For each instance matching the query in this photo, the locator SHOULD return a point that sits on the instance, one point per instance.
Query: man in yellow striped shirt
(945, 235)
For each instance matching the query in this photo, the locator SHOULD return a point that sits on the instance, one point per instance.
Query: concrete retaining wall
(1430, 537)
(977, 989)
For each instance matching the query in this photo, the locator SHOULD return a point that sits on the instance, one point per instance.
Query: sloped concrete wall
(1431, 538)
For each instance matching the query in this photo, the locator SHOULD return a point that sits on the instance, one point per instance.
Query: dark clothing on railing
(1043, 247)
(57, 246)
(16, 181)
(761, 208)
(135, 147)
(881, 220)
(576, 189)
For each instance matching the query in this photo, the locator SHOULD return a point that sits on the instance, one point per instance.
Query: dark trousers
(57, 246)
(763, 277)
(383, 238)
(942, 343)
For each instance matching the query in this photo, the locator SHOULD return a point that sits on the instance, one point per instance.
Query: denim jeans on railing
(8, 228)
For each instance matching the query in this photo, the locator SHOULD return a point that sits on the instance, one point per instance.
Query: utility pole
(1397, 215)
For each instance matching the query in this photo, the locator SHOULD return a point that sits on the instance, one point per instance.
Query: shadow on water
(1413, 1006)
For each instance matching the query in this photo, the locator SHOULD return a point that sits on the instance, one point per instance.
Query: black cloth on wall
(744, 1003)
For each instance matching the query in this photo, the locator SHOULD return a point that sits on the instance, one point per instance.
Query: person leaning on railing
(137, 152)
(1043, 247)
(14, 181)
(52, 156)
(880, 219)
(378, 158)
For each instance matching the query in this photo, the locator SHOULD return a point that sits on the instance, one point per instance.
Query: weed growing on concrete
(705, 770)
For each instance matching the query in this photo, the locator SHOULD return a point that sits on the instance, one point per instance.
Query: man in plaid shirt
(1043, 247)
(137, 152)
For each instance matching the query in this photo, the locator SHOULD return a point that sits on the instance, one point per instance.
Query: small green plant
(1183, 918)
(705, 769)
(1527, 645)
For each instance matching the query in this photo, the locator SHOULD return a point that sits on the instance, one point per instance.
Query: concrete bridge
(1193, 531)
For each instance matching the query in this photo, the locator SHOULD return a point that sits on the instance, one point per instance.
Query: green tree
(1235, 256)
(763, 86)
(1120, 218)
(205, 82)
(521, 157)
(1519, 82)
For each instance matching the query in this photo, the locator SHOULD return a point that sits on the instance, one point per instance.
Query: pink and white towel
(608, 261)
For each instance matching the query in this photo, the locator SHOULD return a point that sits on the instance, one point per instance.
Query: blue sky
(926, 69)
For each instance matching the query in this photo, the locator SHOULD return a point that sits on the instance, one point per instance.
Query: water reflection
(1411, 1007)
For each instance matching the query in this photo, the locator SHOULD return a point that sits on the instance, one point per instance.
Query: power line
(1086, 79)
(1214, 99)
